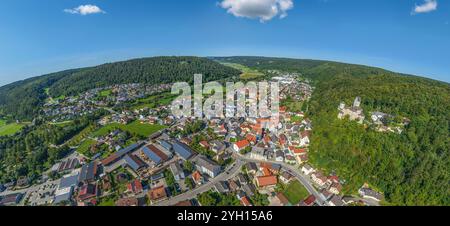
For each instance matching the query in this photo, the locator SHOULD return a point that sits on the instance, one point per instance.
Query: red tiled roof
(266, 172)
(135, 186)
(158, 193)
(267, 181)
(204, 143)
(282, 198)
(242, 144)
(196, 176)
(251, 138)
(245, 201)
(310, 200)
(113, 157)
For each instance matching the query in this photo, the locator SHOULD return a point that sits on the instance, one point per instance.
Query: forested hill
(21, 100)
(412, 168)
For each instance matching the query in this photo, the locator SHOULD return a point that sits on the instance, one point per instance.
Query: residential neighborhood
(181, 161)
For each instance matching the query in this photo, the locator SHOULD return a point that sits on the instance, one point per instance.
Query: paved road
(295, 172)
(229, 173)
(233, 171)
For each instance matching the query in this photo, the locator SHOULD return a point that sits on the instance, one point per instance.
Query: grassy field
(295, 192)
(10, 129)
(154, 101)
(85, 146)
(135, 127)
(105, 93)
(247, 73)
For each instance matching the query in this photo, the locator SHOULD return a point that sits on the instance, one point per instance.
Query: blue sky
(37, 37)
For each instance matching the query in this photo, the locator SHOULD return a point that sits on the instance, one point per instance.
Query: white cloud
(426, 7)
(263, 10)
(85, 10)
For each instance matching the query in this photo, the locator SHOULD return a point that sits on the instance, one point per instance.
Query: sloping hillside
(22, 100)
(412, 168)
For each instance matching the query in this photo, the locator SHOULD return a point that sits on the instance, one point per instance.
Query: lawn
(295, 192)
(84, 147)
(136, 127)
(247, 73)
(10, 129)
(105, 93)
(154, 101)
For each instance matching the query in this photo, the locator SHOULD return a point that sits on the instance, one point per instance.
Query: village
(147, 157)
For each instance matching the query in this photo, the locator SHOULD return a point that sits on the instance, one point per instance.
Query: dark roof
(88, 171)
(119, 154)
(182, 150)
(151, 155)
(134, 162)
(68, 181)
(208, 164)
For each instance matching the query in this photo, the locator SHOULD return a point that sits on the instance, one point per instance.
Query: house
(336, 201)
(251, 167)
(266, 181)
(234, 186)
(157, 194)
(282, 199)
(309, 201)
(240, 145)
(197, 177)
(132, 201)
(286, 177)
(326, 194)
(251, 138)
(245, 201)
(135, 187)
(222, 187)
(335, 188)
(304, 138)
(258, 153)
(307, 169)
(208, 167)
(217, 146)
(86, 192)
(279, 156)
(319, 178)
(185, 203)
(274, 168)
(242, 179)
(177, 171)
(249, 189)
(370, 194)
(204, 144)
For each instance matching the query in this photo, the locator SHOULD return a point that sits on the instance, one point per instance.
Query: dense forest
(412, 168)
(22, 100)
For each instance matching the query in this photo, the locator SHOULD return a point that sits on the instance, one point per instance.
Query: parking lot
(44, 195)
